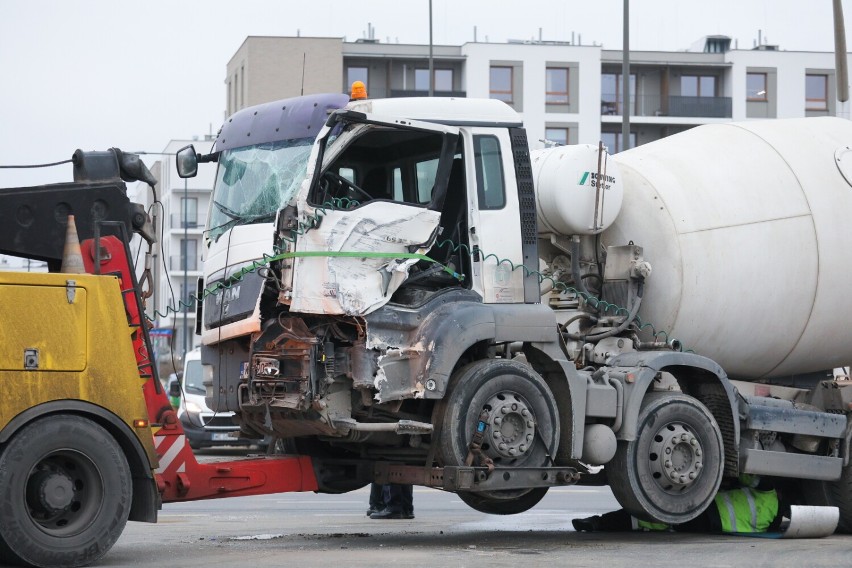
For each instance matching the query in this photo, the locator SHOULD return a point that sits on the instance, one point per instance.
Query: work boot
(372, 509)
(389, 514)
(589, 524)
(408, 514)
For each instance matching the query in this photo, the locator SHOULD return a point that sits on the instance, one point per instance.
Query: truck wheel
(65, 489)
(523, 427)
(671, 472)
(833, 494)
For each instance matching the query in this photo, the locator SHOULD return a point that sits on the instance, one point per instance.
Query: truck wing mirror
(187, 162)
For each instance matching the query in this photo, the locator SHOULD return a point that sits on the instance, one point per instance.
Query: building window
(188, 254)
(698, 86)
(558, 135)
(188, 212)
(501, 84)
(421, 79)
(816, 92)
(556, 86)
(443, 80)
(612, 88)
(186, 302)
(756, 86)
(614, 141)
(357, 74)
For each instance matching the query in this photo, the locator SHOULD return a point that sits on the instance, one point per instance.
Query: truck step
(783, 464)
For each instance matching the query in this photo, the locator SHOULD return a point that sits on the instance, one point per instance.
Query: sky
(96, 74)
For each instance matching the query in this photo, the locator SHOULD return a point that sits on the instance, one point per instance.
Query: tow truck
(88, 437)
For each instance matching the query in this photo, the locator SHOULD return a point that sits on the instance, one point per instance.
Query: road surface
(306, 529)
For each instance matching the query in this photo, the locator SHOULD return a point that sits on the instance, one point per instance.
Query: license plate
(221, 437)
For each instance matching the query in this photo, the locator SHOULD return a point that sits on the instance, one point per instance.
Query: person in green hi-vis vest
(754, 507)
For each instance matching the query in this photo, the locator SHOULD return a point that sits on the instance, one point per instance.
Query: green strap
(355, 254)
(334, 254)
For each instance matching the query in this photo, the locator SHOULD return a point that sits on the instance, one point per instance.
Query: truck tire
(833, 494)
(65, 493)
(671, 472)
(523, 427)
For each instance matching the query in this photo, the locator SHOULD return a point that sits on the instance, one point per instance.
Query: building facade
(565, 93)
(180, 216)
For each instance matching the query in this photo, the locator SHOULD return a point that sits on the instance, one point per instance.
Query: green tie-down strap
(237, 276)
(267, 259)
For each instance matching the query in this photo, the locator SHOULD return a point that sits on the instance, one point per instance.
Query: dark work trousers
(377, 496)
(706, 522)
(399, 497)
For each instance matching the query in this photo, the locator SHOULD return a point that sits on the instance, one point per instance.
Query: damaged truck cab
(343, 325)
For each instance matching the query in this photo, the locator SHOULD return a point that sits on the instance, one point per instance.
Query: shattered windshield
(254, 182)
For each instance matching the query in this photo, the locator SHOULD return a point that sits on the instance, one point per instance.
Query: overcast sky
(134, 75)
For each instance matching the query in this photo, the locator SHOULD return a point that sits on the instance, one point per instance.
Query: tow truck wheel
(671, 472)
(65, 489)
(522, 427)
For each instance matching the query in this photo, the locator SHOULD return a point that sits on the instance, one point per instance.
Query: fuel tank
(746, 226)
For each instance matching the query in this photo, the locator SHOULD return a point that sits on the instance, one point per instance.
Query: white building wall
(792, 66)
(534, 59)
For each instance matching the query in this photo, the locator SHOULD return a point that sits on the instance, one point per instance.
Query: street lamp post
(625, 81)
(185, 252)
(431, 61)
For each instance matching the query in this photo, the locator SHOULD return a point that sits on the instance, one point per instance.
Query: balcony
(177, 263)
(192, 222)
(652, 105)
(398, 93)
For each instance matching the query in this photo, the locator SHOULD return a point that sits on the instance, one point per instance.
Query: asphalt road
(306, 529)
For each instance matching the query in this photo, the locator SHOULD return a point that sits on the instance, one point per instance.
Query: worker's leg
(393, 504)
(377, 498)
(406, 495)
(615, 521)
(706, 522)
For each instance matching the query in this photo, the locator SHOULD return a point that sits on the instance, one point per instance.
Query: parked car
(204, 428)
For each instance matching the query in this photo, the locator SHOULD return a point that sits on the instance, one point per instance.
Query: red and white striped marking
(170, 451)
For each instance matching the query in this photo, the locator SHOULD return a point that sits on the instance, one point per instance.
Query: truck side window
(426, 172)
(397, 184)
(489, 172)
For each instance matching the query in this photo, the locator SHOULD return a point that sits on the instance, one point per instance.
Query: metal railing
(652, 105)
(192, 222)
(396, 93)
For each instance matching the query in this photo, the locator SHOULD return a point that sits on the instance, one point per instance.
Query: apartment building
(180, 215)
(566, 93)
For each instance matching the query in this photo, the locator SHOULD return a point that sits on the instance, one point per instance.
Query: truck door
(497, 272)
(373, 204)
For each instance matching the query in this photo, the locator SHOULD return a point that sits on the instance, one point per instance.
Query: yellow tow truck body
(64, 339)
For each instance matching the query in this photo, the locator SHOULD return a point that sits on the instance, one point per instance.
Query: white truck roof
(454, 111)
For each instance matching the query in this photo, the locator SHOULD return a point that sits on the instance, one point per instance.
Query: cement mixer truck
(402, 291)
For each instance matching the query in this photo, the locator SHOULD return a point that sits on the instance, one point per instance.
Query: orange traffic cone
(72, 256)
